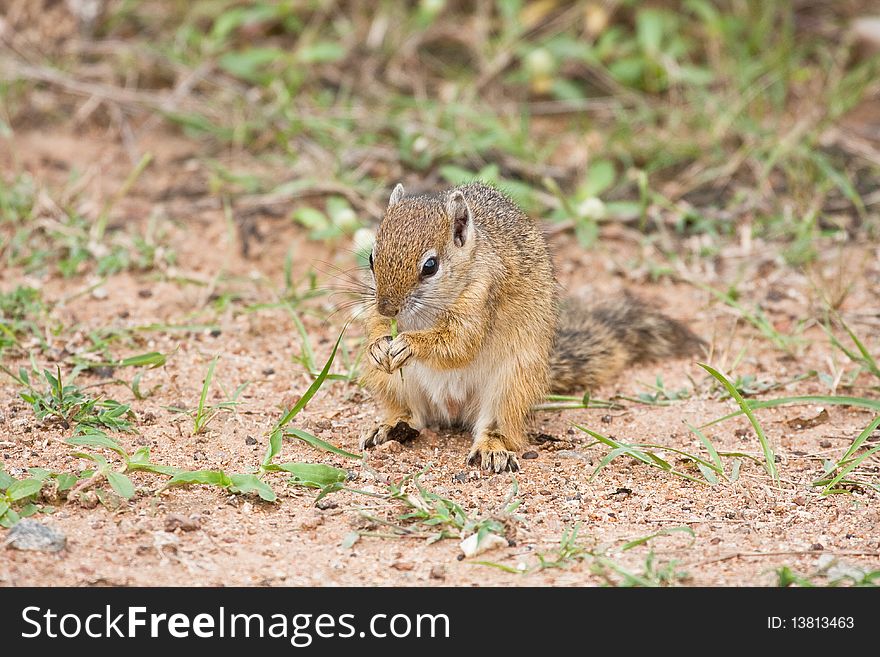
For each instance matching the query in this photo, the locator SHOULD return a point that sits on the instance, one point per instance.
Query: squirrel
(469, 280)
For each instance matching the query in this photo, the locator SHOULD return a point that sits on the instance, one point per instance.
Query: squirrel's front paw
(399, 351)
(491, 454)
(378, 352)
(383, 432)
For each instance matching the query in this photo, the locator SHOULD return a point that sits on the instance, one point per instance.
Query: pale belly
(444, 397)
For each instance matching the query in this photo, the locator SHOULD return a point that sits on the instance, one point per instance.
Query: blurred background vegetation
(686, 118)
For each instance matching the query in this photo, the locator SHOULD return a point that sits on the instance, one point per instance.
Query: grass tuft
(769, 456)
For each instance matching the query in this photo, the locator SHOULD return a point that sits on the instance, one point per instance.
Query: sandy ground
(742, 531)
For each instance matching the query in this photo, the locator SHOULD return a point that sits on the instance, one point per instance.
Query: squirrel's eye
(371, 261)
(430, 267)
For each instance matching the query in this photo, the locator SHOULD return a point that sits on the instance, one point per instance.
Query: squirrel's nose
(387, 307)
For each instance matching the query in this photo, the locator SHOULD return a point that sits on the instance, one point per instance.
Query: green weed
(645, 453)
(204, 412)
(838, 477)
(68, 404)
(786, 577)
(17, 497)
(443, 518)
(20, 310)
(604, 561)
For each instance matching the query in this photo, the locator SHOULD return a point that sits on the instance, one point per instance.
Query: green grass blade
(167, 470)
(867, 358)
(713, 454)
(316, 384)
(769, 456)
(862, 437)
(629, 577)
(849, 468)
(663, 532)
(308, 356)
(619, 449)
(276, 436)
(273, 449)
(687, 455)
(151, 359)
(858, 402)
(314, 441)
(499, 566)
(200, 412)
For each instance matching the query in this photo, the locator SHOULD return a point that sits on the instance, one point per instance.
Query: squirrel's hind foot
(491, 453)
(383, 432)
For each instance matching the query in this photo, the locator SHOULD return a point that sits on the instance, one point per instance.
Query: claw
(497, 461)
(368, 437)
(378, 351)
(399, 352)
(490, 452)
(382, 433)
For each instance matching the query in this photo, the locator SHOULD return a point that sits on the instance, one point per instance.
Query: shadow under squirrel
(469, 280)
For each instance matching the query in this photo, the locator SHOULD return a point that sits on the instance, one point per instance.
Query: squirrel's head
(422, 255)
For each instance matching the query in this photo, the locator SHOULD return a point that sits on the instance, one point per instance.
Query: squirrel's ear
(460, 212)
(396, 195)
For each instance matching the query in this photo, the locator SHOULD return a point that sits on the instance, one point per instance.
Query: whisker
(350, 275)
(350, 294)
(358, 312)
(346, 286)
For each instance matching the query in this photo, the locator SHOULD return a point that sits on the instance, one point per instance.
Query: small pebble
(312, 521)
(390, 446)
(322, 424)
(530, 455)
(174, 521)
(89, 499)
(30, 534)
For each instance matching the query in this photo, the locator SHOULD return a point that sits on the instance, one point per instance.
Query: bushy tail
(594, 343)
